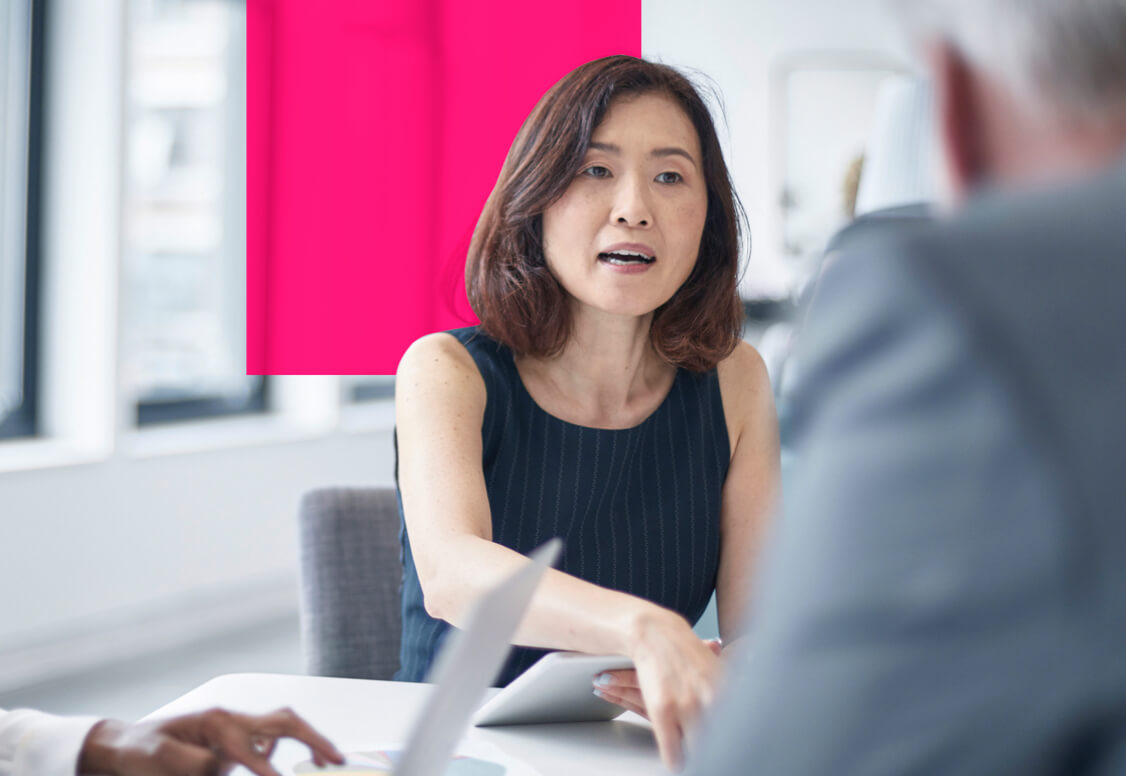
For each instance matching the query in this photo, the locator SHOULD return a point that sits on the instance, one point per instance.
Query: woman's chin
(618, 307)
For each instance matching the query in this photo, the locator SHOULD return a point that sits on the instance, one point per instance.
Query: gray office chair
(350, 579)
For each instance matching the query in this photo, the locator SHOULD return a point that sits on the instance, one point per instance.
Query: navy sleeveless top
(637, 509)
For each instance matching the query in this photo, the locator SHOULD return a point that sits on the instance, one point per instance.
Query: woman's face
(625, 234)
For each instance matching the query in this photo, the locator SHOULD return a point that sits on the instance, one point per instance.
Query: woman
(606, 398)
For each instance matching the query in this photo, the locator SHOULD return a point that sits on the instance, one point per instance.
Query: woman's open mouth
(626, 258)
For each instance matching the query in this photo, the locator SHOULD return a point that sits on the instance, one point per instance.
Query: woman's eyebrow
(673, 151)
(610, 148)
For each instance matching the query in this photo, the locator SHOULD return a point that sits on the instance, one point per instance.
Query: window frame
(152, 412)
(22, 420)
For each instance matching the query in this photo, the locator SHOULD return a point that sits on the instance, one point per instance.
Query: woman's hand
(204, 744)
(673, 680)
(622, 686)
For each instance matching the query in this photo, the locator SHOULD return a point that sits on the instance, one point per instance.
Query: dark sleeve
(911, 593)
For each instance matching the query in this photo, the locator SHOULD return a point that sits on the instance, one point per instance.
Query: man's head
(1027, 90)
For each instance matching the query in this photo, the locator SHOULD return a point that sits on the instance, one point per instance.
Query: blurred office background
(148, 487)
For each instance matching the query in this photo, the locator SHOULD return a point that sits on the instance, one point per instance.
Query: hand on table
(673, 681)
(205, 744)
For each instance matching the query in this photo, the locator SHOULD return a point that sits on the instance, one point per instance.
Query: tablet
(558, 688)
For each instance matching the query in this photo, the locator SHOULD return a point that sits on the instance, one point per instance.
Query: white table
(359, 715)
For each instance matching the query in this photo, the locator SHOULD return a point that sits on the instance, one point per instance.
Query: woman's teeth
(626, 257)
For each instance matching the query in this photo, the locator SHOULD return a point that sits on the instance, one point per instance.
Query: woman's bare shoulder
(438, 366)
(744, 385)
(743, 371)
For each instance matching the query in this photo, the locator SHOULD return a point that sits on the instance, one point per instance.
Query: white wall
(124, 536)
(736, 43)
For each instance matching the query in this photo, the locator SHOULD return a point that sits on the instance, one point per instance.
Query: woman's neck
(608, 375)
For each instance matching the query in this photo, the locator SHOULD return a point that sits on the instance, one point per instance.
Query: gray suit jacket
(946, 591)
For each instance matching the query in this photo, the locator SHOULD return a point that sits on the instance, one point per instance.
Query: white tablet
(558, 688)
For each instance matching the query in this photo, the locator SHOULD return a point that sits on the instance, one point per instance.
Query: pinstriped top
(637, 508)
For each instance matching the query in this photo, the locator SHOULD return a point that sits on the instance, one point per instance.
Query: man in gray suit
(946, 591)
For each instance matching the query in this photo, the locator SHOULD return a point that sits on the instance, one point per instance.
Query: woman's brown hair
(511, 289)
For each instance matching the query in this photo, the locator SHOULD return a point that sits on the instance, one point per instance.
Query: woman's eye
(597, 171)
(670, 177)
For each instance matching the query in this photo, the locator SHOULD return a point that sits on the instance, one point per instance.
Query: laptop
(466, 666)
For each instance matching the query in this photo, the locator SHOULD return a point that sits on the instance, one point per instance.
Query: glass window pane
(184, 265)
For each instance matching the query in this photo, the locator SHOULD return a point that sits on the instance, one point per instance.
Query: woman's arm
(440, 405)
(752, 489)
(750, 495)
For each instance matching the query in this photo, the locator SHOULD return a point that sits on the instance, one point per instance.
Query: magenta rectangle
(375, 132)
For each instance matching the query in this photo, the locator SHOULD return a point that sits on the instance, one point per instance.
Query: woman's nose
(631, 205)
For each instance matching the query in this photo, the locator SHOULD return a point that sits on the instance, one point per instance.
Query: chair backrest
(351, 573)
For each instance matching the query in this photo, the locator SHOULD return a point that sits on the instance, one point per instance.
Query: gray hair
(1063, 56)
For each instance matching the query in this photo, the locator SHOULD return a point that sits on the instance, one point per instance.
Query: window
(184, 233)
(368, 388)
(21, 71)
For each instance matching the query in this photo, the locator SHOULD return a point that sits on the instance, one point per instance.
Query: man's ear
(959, 118)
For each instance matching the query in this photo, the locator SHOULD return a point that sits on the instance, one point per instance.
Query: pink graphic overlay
(375, 132)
